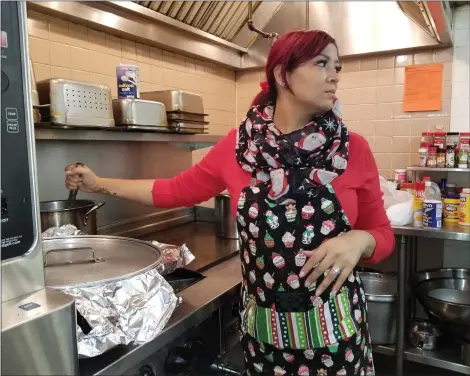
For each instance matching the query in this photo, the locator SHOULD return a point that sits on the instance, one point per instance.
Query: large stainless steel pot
(120, 295)
(80, 213)
(225, 223)
(381, 296)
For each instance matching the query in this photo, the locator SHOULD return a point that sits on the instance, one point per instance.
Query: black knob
(145, 371)
(5, 82)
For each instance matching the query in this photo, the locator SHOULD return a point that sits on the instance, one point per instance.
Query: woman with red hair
(309, 208)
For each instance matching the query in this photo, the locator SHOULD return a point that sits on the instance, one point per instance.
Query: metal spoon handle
(73, 194)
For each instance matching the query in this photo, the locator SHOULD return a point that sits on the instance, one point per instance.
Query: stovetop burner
(181, 279)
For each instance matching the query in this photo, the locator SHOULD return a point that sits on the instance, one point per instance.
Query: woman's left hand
(339, 256)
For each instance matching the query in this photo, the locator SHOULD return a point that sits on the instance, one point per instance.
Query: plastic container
(450, 156)
(431, 191)
(432, 213)
(418, 201)
(427, 137)
(127, 81)
(439, 140)
(464, 207)
(461, 158)
(431, 160)
(423, 156)
(450, 212)
(441, 158)
(432, 205)
(465, 141)
(400, 175)
(453, 139)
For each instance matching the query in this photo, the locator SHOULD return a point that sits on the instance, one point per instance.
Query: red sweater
(358, 188)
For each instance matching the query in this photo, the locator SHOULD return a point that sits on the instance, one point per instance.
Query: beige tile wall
(371, 91)
(63, 49)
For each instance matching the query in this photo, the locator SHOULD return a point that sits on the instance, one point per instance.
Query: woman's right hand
(81, 177)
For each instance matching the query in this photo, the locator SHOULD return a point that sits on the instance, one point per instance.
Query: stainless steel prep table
(407, 256)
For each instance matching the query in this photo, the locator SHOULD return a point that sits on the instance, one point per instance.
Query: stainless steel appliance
(139, 112)
(225, 223)
(176, 100)
(381, 296)
(75, 103)
(38, 324)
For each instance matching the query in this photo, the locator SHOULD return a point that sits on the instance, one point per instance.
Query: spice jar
(427, 138)
(461, 158)
(450, 156)
(441, 158)
(452, 139)
(400, 175)
(423, 155)
(465, 141)
(439, 140)
(431, 161)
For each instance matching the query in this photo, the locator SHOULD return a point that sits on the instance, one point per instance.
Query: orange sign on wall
(423, 88)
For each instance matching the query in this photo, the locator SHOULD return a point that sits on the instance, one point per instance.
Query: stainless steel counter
(447, 232)
(199, 302)
(201, 240)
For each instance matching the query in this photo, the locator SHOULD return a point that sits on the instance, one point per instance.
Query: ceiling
(223, 19)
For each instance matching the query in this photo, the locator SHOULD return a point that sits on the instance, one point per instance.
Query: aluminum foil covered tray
(120, 293)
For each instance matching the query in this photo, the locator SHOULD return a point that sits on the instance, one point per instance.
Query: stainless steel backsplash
(125, 160)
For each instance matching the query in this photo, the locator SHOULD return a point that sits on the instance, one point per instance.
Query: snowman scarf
(292, 163)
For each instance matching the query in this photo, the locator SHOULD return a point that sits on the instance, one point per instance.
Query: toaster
(139, 112)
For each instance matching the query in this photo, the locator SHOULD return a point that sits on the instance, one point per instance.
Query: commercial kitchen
(142, 90)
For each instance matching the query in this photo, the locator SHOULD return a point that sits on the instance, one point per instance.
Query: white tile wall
(460, 113)
(457, 254)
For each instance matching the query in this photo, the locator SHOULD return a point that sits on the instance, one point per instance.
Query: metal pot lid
(64, 205)
(90, 260)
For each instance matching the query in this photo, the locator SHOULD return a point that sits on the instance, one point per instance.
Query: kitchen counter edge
(198, 303)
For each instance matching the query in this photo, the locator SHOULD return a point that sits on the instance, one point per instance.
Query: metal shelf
(447, 232)
(187, 141)
(445, 358)
(438, 169)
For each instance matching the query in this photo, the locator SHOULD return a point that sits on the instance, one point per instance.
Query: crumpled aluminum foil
(133, 310)
(174, 257)
(66, 230)
(128, 311)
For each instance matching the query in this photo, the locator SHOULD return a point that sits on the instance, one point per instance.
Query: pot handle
(94, 208)
(77, 249)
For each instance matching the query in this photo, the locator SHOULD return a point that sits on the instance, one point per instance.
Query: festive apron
(286, 329)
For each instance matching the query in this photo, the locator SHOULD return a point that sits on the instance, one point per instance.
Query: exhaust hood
(217, 30)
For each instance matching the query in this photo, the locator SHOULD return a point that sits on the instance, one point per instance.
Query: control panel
(17, 222)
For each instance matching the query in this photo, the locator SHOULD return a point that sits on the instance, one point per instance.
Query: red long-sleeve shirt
(357, 189)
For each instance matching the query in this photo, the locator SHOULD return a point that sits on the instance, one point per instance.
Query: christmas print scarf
(292, 163)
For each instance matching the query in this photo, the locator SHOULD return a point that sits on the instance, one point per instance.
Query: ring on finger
(335, 270)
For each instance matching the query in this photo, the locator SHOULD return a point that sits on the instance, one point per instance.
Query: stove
(181, 279)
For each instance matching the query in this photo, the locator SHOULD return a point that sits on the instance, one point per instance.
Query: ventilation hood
(217, 30)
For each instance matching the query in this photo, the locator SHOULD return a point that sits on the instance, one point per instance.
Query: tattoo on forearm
(107, 192)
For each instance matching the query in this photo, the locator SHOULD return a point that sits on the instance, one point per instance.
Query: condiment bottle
(418, 201)
(431, 161)
(462, 157)
(464, 207)
(439, 140)
(451, 208)
(450, 156)
(441, 158)
(423, 154)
